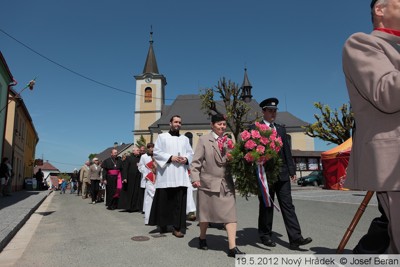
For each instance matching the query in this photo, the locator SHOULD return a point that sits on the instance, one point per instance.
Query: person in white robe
(172, 154)
(149, 185)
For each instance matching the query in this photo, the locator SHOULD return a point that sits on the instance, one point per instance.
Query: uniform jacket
(209, 166)
(371, 64)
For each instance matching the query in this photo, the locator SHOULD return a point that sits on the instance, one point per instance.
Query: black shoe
(203, 244)
(163, 229)
(268, 242)
(235, 251)
(295, 245)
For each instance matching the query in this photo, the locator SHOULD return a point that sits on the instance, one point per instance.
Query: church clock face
(148, 80)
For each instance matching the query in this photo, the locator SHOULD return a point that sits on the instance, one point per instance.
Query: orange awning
(334, 152)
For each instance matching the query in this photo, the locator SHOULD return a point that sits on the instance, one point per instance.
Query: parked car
(315, 178)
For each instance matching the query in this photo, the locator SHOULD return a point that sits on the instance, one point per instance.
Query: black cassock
(130, 194)
(112, 194)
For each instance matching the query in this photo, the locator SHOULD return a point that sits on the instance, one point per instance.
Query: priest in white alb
(173, 155)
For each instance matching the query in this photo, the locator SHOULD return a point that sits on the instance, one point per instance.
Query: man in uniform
(282, 187)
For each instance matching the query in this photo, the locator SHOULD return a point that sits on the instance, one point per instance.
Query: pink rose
(273, 136)
(245, 135)
(255, 134)
(272, 145)
(260, 149)
(264, 140)
(248, 157)
(278, 144)
(262, 127)
(250, 144)
(230, 144)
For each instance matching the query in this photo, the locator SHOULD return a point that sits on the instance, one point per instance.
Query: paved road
(68, 231)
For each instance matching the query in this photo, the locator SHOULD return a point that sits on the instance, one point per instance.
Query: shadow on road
(16, 197)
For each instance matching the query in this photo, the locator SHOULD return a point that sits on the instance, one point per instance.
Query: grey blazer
(371, 64)
(93, 173)
(209, 166)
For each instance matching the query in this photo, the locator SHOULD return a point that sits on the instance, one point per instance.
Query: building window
(307, 163)
(301, 164)
(190, 136)
(148, 95)
(313, 164)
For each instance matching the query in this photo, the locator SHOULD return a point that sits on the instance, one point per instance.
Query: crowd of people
(159, 181)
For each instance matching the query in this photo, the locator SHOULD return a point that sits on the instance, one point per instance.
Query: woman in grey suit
(216, 192)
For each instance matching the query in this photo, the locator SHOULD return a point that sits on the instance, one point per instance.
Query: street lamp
(30, 85)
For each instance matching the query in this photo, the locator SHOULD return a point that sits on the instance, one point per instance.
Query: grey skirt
(216, 207)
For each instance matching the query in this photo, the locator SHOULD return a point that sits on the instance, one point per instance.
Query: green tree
(141, 142)
(237, 110)
(92, 156)
(332, 126)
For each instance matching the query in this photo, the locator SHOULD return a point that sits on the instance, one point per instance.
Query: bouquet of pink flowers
(225, 145)
(255, 149)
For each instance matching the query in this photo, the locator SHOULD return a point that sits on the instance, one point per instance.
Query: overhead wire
(77, 73)
(70, 164)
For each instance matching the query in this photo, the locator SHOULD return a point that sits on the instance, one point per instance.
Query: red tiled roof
(45, 167)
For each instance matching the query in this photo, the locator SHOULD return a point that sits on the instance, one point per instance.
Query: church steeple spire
(151, 64)
(246, 88)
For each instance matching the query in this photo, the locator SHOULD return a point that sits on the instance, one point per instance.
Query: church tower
(150, 96)
(246, 88)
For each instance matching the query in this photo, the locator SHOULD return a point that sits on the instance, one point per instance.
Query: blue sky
(292, 50)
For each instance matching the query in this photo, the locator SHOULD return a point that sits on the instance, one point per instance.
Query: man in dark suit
(281, 188)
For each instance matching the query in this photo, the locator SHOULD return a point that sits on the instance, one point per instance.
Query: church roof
(194, 118)
(151, 64)
(105, 154)
(246, 82)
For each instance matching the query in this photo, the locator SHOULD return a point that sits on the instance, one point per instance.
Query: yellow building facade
(20, 140)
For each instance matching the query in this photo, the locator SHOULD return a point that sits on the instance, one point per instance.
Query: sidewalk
(15, 210)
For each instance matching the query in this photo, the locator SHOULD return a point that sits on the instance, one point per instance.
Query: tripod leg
(354, 222)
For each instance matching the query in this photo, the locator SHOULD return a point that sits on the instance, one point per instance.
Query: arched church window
(148, 95)
(190, 136)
